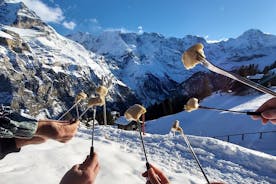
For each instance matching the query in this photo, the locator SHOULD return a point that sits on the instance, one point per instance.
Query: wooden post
(104, 106)
(104, 113)
(143, 124)
(228, 138)
(261, 135)
(242, 136)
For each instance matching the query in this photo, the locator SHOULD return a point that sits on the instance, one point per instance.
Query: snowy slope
(139, 67)
(215, 123)
(147, 57)
(122, 160)
(49, 68)
(252, 47)
(149, 64)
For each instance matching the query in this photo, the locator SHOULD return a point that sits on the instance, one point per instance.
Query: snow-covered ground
(120, 153)
(122, 160)
(214, 123)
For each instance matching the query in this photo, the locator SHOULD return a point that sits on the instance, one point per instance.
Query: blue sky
(212, 19)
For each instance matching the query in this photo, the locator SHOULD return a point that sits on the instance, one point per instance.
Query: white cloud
(206, 37)
(214, 41)
(140, 30)
(122, 30)
(45, 12)
(89, 25)
(94, 20)
(69, 25)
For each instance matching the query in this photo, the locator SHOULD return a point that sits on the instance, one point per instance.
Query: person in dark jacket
(17, 131)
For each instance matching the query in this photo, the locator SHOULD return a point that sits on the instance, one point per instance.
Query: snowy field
(122, 160)
(120, 152)
(213, 123)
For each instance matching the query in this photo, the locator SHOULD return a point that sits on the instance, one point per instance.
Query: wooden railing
(243, 135)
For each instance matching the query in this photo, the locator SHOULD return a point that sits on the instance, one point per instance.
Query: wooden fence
(243, 135)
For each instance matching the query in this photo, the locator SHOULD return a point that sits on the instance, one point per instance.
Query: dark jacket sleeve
(15, 125)
(7, 146)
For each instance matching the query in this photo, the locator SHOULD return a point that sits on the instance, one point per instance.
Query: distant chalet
(123, 123)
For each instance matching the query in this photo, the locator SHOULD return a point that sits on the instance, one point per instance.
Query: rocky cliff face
(14, 42)
(41, 71)
(150, 64)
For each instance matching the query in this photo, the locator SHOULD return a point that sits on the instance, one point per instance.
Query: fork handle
(254, 113)
(254, 85)
(236, 77)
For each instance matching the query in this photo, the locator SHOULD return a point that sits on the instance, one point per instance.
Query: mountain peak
(252, 33)
(19, 15)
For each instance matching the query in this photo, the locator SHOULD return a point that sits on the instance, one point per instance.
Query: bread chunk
(102, 91)
(189, 58)
(96, 101)
(80, 96)
(135, 112)
(176, 127)
(191, 105)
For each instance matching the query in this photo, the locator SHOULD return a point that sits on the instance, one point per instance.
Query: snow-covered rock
(42, 69)
(149, 63)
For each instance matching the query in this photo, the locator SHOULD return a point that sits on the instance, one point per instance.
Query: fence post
(261, 135)
(243, 135)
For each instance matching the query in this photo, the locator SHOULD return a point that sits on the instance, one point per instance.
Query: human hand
(84, 173)
(268, 112)
(155, 176)
(23, 142)
(61, 131)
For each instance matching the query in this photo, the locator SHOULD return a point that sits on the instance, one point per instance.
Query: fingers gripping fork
(92, 133)
(234, 76)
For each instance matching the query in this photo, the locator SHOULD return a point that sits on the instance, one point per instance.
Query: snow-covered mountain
(150, 63)
(122, 160)
(42, 71)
